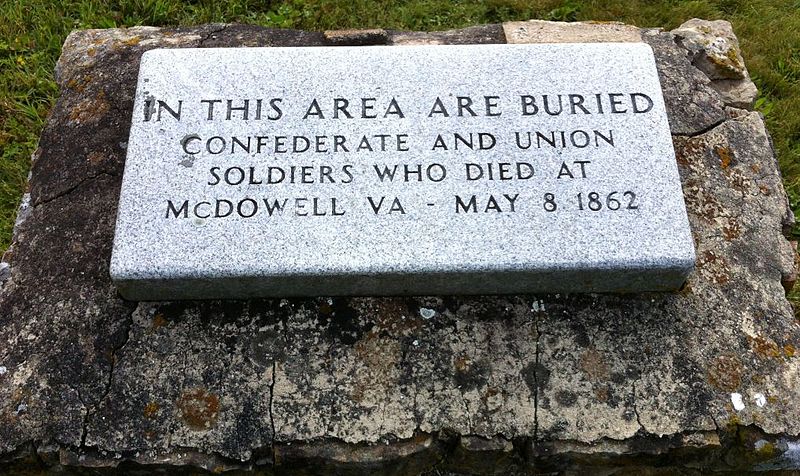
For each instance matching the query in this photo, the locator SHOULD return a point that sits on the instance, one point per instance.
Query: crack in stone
(467, 413)
(714, 421)
(271, 409)
(35, 445)
(35, 204)
(536, 381)
(284, 323)
(187, 318)
(417, 414)
(91, 410)
(463, 398)
(635, 409)
(447, 444)
(704, 130)
(85, 421)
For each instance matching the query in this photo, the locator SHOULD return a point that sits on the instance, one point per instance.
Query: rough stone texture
(478, 35)
(519, 383)
(714, 49)
(356, 37)
(539, 31)
(738, 93)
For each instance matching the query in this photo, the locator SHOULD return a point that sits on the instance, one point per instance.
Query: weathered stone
(578, 383)
(539, 31)
(694, 106)
(5, 272)
(356, 37)
(739, 93)
(476, 35)
(714, 49)
(789, 275)
(254, 36)
(478, 455)
(411, 456)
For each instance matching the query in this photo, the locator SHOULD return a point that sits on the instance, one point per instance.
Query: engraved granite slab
(400, 170)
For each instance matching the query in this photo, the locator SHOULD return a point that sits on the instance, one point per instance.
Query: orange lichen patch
(199, 409)
(728, 64)
(150, 410)
(764, 190)
(132, 41)
(79, 84)
(725, 155)
(95, 157)
(89, 110)
(91, 51)
(764, 348)
(725, 373)
(732, 229)
(158, 321)
(755, 168)
(789, 351)
(594, 366)
(736, 62)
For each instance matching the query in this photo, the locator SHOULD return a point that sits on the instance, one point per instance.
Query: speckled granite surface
(402, 170)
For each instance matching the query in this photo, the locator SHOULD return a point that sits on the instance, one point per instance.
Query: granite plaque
(400, 170)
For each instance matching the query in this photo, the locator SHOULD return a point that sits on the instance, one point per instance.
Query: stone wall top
(475, 384)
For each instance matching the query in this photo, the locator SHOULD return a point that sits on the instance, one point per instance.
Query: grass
(32, 31)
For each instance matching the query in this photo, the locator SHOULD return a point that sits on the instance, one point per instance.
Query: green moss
(766, 450)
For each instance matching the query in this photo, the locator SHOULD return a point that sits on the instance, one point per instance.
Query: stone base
(698, 380)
